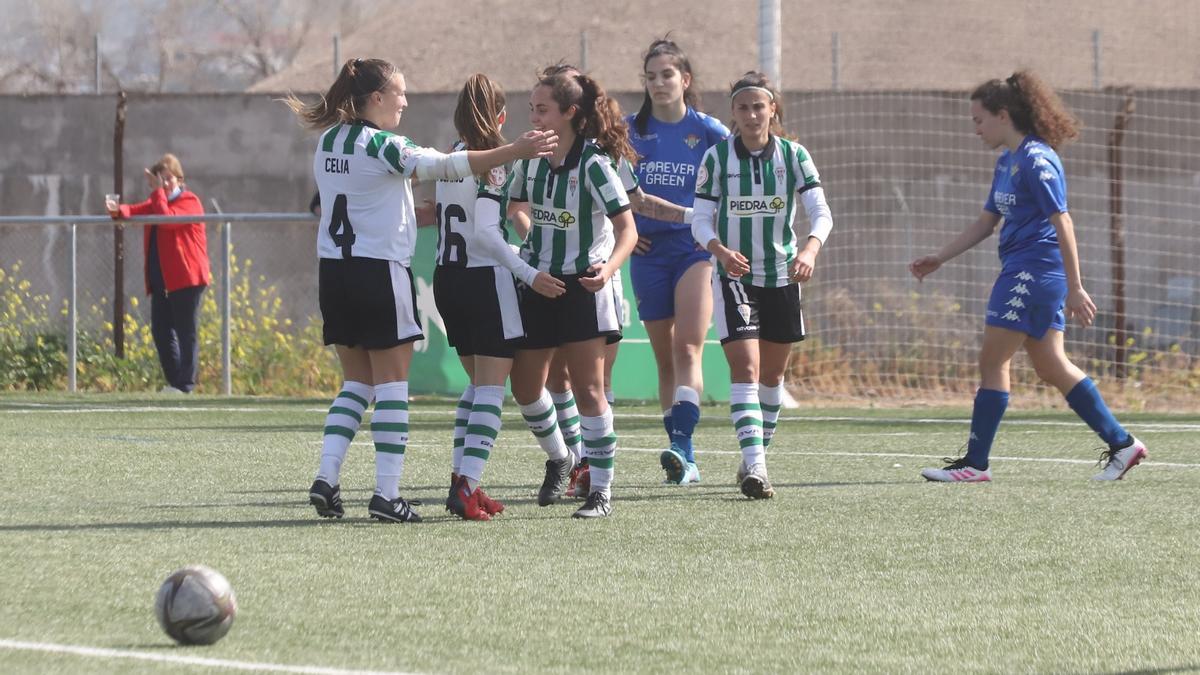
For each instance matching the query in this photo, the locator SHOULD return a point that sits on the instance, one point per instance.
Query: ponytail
(598, 116)
(347, 96)
(476, 117)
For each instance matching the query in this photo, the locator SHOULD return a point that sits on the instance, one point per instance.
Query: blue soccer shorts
(1030, 301)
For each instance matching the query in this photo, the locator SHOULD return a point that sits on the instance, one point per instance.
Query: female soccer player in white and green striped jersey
(582, 231)
(365, 243)
(747, 190)
(476, 294)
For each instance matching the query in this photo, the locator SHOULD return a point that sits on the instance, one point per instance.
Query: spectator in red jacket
(176, 270)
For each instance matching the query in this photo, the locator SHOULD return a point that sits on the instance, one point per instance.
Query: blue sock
(668, 425)
(989, 409)
(685, 414)
(1087, 402)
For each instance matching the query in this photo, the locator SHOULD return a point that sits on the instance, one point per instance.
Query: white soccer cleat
(1117, 463)
(957, 471)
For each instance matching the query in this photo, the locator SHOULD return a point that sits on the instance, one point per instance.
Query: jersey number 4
(454, 245)
(340, 229)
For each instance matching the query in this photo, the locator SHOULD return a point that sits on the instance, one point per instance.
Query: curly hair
(1033, 106)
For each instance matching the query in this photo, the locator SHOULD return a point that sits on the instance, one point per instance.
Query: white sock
(600, 447)
(770, 398)
(568, 422)
(341, 424)
(461, 412)
(389, 428)
(746, 414)
(482, 430)
(542, 422)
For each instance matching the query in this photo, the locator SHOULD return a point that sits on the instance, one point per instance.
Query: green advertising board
(436, 370)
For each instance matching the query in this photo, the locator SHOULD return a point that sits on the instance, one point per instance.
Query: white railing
(225, 221)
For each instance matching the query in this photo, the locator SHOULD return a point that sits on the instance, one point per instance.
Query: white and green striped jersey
(756, 196)
(363, 176)
(459, 242)
(569, 207)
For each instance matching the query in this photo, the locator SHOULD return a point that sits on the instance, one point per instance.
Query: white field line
(526, 446)
(104, 653)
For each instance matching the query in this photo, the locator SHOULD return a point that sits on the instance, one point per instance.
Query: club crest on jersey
(691, 140)
(744, 207)
(701, 176)
(496, 176)
(572, 185)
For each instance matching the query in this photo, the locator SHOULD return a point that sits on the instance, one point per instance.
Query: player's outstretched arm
(531, 145)
(976, 232)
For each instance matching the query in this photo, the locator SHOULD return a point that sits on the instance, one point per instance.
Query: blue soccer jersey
(1028, 188)
(669, 153)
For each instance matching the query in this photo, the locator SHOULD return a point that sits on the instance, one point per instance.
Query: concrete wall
(903, 173)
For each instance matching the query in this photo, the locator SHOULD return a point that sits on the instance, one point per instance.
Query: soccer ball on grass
(195, 605)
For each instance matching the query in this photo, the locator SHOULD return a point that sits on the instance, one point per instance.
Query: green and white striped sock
(770, 399)
(461, 413)
(746, 414)
(540, 417)
(568, 421)
(341, 423)
(600, 448)
(482, 429)
(389, 428)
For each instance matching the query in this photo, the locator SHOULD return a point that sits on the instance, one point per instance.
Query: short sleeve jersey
(1028, 187)
(756, 196)
(457, 235)
(670, 153)
(569, 208)
(362, 175)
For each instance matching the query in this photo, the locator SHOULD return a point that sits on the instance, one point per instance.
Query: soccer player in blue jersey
(672, 275)
(1039, 285)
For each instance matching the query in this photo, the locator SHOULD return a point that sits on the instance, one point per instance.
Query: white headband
(751, 87)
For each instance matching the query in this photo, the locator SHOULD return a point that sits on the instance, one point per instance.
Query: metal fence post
(72, 320)
(226, 361)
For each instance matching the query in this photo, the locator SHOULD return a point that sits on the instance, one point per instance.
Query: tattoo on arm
(658, 208)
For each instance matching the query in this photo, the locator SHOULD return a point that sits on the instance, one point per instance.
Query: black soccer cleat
(598, 505)
(326, 499)
(558, 471)
(392, 511)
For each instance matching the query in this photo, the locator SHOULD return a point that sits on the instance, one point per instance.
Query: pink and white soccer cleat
(957, 471)
(1117, 463)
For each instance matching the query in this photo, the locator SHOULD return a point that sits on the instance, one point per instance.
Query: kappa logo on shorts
(1015, 302)
(1020, 289)
(1011, 316)
(1024, 276)
(744, 312)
